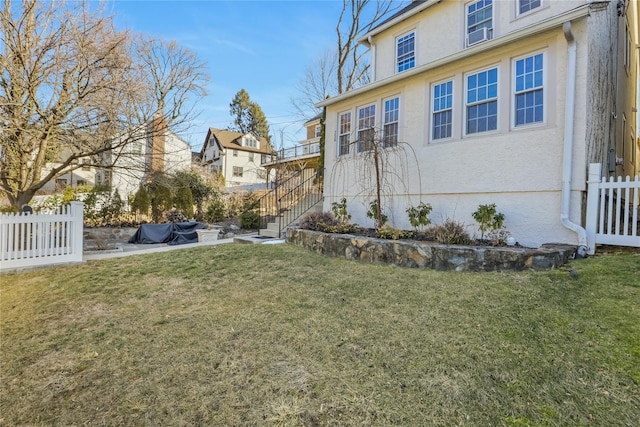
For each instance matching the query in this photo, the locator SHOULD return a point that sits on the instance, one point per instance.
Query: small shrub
(340, 228)
(488, 219)
(390, 233)
(174, 216)
(215, 211)
(373, 213)
(451, 233)
(419, 216)
(250, 220)
(340, 211)
(318, 220)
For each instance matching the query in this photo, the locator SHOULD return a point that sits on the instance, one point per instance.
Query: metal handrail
(289, 200)
(292, 152)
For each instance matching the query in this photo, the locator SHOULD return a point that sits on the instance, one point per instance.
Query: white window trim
(465, 105)
(432, 112)
(530, 11)
(382, 114)
(375, 121)
(415, 50)
(491, 30)
(545, 91)
(350, 133)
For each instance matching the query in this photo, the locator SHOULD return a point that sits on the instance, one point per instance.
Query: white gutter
(567, 157)
(478, 49)
(372, 49)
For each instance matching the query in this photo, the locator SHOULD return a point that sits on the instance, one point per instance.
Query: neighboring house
(303, 156)
(136, 162)
(237, 157)
(481, 102)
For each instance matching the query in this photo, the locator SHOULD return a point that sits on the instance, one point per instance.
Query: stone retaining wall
(102, 238)
(408, 253)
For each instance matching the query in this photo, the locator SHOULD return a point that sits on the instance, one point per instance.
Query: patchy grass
(272, 335)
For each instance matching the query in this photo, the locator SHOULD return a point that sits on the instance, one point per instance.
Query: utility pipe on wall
(567, 158)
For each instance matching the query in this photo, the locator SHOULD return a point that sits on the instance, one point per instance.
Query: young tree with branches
(72, 88)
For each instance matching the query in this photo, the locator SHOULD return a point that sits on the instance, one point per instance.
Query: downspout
(372, 60)
(567, 158)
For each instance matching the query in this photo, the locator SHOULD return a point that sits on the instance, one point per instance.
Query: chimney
(158, 135)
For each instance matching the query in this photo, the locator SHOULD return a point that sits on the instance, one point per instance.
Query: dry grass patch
(272, 335)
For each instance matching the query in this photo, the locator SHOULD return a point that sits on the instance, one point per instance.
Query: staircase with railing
(288, 202)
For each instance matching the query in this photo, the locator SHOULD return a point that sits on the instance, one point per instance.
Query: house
(303, 156)
(237, 157)
(135, 162)
(479, 102)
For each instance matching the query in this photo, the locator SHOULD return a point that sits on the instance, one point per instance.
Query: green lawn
(243, 335)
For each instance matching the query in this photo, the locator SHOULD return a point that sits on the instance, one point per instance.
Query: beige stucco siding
(440, 30)
(519, 169)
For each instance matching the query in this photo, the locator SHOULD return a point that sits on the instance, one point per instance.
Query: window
(249, 142)
(344, 133)
(442, 110)
(482, 101)
(251, 157)
(627, 48)
(391, 109)
(261, 173)
(237, 171)
(136, 148)
(318, 130)
(235, 153)
(366, 123)
(479, 21)
(406, 52)
(529, 99)
(525, 6)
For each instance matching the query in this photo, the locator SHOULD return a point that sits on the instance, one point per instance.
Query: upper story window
(366, 127)
(251, 157)
(482, 101)
(136, 148)
(391, 116)
(529, 93)
(249, 142)
(235, 153)
(479, 21)
(442, 110)
(344, 133)
(406, 52)
(525, 6)
(318, 131)
(627, 48)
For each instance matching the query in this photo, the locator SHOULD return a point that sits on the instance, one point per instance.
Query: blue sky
(261, 46)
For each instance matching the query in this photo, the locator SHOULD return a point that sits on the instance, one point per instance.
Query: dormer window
(406, 52)
(249, 142)
(479, 21)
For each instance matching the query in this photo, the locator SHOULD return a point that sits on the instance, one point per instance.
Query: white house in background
(237, 157)
(156, 153)
(134, 163)
(479, 102)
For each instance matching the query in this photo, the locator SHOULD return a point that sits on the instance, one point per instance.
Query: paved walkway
(127, 249)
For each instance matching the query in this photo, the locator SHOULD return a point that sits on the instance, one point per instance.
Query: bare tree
(346, 68)
(72, 88)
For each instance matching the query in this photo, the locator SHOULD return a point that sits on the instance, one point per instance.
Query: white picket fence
(612, 210)
(29, 240)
